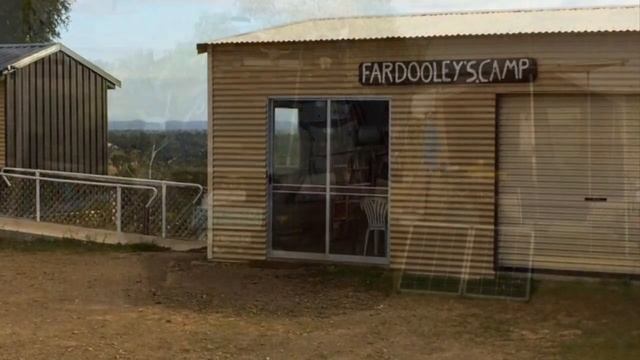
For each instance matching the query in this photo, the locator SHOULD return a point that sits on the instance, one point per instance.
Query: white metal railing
(163, 186)
(118, 188)
(118, 179)
(176, 215)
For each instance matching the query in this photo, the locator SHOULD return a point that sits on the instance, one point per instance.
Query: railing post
(119, 208)
(37, 196)
(164, 210)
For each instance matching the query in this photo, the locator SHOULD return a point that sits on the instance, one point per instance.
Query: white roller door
(569, 183)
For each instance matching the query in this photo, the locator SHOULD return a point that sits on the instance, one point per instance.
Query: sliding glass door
(299, 176)
(329, 174)
(359, 170)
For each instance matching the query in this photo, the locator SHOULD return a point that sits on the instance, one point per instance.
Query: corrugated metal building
(487, 140)
(53, 109)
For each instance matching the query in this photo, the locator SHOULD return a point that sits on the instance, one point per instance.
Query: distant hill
(172, 125)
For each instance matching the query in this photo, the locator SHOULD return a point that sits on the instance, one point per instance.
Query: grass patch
(613, 327)
(619, 341)
(438, 284)
(500, 286)
(70, 245)
(367, 278)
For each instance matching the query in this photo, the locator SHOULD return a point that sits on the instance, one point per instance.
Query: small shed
(53, 109)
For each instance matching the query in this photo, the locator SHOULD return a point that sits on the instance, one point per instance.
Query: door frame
(326, 256)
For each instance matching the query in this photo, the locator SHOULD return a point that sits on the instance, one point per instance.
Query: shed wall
(434, 209)
(57, 116)
(3, 126)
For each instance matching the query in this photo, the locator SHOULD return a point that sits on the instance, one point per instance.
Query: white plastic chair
(376, 211)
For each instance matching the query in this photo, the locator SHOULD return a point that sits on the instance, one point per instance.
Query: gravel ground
(119, 305)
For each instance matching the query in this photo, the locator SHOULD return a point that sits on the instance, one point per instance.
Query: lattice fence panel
(95, 206)
(457, 279)
(18, 200)
(78, 205)
(136, 216)
(186, 217)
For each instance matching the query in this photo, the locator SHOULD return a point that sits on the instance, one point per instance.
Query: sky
(150, 44)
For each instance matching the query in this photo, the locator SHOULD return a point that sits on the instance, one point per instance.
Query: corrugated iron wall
(57, 117)
(571, 176)
(443, 147)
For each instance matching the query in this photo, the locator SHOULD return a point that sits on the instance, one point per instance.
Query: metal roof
(15, 56)
(10, 54)
(567, 20)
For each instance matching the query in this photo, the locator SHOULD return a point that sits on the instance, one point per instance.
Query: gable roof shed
(53, 109)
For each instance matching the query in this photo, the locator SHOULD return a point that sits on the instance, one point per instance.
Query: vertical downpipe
(210, 183)
(328, 223)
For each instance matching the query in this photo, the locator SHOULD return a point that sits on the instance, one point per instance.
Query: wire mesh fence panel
(82, 205)
(443, 273)
(154, 215)
(104, 202)
(508, 281)
(18, 198)
(452, 267)
(135, 214)
(185, 215)
(199, 224)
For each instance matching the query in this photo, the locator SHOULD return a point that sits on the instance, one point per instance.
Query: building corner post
(210, 153)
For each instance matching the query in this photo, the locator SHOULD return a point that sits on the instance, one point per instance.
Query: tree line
(161, 155)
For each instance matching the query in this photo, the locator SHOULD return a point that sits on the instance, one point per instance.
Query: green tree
(32, 21)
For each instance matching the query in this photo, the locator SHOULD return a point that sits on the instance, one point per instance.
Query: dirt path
(164, 305)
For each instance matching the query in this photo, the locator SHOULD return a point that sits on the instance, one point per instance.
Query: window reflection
(355, 141)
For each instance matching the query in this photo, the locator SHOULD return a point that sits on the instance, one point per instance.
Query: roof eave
(59, 47)
(245, 42)
(275, 35)
(202, 48)
(110, 78)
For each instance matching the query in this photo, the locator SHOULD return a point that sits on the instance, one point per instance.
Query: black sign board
(482, 71)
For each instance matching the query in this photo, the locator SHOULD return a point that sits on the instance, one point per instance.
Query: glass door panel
(299, 222)
(299, 176)
(329, 178)
(359, 176)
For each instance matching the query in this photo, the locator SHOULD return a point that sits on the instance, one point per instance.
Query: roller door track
(569, 183)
